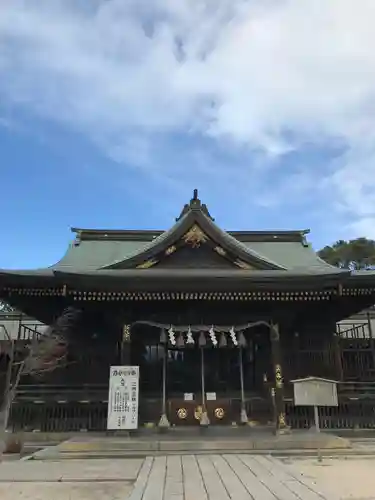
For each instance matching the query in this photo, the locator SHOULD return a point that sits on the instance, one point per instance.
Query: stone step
(116, 447)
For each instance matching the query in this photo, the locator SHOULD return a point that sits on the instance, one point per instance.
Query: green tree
(353, 254)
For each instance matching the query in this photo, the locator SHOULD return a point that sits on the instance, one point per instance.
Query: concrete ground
(70, 480)
(340, 478)
(190, 477)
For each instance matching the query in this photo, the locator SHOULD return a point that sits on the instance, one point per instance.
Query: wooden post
(317, 429)
(281, 425)
(372, 339)
(204, 421)
(164, 422)
(243, 417)
(338, 356)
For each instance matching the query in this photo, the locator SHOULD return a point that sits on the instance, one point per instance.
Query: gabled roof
(195, 224)
(267, 250)
(95, 250)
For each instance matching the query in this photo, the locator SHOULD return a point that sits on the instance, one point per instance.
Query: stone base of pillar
(244, 418)
(204, 421)
(282, 427)
(164, 422)
(283, 430)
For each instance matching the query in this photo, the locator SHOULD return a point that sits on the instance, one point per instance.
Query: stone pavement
(222, 477)
(190, 477)
(65, 491)
(73, 480)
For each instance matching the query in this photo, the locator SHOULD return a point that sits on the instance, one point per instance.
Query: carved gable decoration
(199, 257)
(147, 264)
(243, 265)
(195, 241)
(195, 237)
(195, 249)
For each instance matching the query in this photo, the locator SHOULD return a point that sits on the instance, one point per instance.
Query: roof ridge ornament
(195, 204)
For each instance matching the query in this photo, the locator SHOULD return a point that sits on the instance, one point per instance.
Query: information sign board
(123, 398)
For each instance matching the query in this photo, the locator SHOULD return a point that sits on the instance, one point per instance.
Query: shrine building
(218, 322)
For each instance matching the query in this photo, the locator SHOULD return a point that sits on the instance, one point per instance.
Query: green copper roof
(292, 255)
(95, 254)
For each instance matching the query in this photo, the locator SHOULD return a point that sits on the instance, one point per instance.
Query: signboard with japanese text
(315, 391)
(123, 398)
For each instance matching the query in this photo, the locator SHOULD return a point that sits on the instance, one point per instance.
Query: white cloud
(269, 74)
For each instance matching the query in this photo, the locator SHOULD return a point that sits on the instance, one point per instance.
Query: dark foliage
(353, 254)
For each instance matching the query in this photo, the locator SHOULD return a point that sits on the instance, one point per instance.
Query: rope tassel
(172, 338)
(189, 337)
(232, 334)
(213, 336)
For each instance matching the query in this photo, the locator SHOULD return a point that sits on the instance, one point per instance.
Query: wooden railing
(357, 390)
(58, 417)
(62, 393)
(354, 331)
(71, 408)
(26, 333)
(356, 409)
(350, 414)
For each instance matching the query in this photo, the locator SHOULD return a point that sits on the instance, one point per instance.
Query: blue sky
(112, 113)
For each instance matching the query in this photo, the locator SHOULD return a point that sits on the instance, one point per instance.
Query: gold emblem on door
(219, 413)
(182, 413)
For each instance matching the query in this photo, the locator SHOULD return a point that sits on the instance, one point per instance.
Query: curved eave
(28, 277)
(205, 280)
(200, 279)
(221, 238)
(361, 278)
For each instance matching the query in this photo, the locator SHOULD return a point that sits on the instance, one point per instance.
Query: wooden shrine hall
(218, 322)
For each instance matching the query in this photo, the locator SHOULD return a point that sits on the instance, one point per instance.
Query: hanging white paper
(211, 396)
(123, 398)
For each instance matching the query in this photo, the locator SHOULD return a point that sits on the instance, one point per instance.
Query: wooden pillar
(371, 335)
(164, 422)
(280, 423)
(338, 356)
(125, 345)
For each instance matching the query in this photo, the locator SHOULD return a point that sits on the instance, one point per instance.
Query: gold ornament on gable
(195, 237)
(220, 251)
(243, 265)
(170, 250)
(147, 264)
